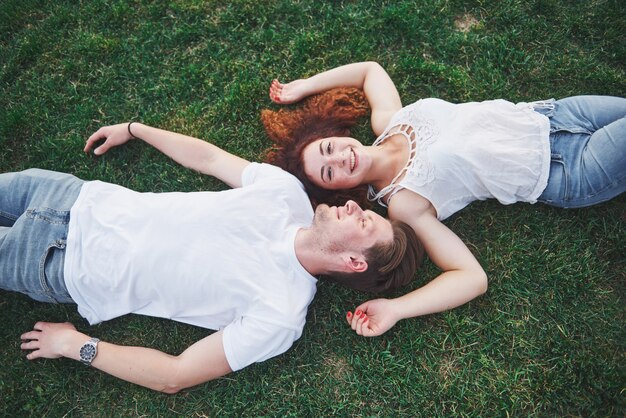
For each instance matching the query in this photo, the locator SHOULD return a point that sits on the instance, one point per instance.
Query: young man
(239, 261)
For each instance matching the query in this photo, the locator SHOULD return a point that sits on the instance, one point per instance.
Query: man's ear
(355, 263)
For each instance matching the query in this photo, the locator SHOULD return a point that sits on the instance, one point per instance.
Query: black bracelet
(131, 134)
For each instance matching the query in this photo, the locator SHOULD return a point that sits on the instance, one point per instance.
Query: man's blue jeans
(34, 214)
(588, 146)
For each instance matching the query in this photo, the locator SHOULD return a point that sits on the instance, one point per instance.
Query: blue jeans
(34, 215)
(588, 147)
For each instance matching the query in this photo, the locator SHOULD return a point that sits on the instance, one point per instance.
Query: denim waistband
(545, 107)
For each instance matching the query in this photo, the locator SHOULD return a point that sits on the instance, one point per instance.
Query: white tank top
(459, 153)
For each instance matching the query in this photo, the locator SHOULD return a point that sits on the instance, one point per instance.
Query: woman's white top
(459, 153)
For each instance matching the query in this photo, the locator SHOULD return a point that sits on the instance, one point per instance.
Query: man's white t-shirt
(218, 260)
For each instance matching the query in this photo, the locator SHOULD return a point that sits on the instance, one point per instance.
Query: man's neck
(307, 253)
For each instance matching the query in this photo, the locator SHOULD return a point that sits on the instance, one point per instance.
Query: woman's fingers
(276, 89)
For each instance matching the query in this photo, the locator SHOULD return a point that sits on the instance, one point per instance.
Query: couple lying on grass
(243, 261)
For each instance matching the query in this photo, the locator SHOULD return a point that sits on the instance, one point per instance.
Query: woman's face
(336, 163)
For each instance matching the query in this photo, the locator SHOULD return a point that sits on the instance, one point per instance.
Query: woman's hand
(370, 77)
(50, 340)
(113, 136)
(288, 93)
(373, 318)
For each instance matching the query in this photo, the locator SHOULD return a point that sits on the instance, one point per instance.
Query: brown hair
(391, 265)
(331, 113)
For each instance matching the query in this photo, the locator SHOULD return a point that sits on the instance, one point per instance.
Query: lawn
(548, 338)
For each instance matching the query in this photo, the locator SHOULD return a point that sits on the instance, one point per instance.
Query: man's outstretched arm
(203, 361)
(188, 151)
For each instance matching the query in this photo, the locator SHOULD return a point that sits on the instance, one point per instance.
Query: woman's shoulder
(429, 101)
(419, 110)
(406, 204)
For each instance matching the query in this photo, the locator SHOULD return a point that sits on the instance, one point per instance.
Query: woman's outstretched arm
(378, 87)
(462, 280)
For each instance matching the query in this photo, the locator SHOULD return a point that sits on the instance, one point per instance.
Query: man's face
(349, 227)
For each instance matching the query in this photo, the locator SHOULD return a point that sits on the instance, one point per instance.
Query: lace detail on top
(420, 133)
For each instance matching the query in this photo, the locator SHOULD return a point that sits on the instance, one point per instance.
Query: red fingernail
(349, 314)
(362, 314)
(358, 313)
(365, 320)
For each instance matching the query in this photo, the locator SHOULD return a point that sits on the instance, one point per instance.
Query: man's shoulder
(262, 171)
(271, 323)
(280, 186)
(255, 338)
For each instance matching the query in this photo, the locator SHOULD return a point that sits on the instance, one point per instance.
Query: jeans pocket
(558, 189)
(51, 277)
(555, 128)
(52, 216)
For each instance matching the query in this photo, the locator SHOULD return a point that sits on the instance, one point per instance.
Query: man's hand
(113, 136)
(373, 318)
(203, 361)
(49, 340)
(288, 93)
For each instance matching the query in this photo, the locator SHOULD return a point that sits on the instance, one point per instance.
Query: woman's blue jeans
(34, 215)
(588, 146)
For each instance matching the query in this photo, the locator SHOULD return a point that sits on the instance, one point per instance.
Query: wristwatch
(88, 351)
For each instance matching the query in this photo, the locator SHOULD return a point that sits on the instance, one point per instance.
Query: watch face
(87, 352)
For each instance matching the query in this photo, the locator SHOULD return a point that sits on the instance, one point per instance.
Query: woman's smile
(335, 163)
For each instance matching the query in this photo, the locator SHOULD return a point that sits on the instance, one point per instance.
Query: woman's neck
(388, 159)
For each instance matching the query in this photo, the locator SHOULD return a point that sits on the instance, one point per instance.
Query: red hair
(331, 113)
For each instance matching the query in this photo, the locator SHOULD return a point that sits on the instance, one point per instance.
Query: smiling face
(350, 228)
(336, 163)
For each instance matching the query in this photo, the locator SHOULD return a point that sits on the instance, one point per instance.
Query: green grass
(547, 339)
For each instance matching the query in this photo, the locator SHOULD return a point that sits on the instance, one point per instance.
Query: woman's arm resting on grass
(462, 280)
(378, 87)
(190, 152)
(201, 362)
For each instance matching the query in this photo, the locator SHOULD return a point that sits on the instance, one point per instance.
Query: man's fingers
(31, 335)
(95, 137)
(30, 345)
(39, 326)
(102, 148)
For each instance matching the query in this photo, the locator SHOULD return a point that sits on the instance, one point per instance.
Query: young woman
(432, 158)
